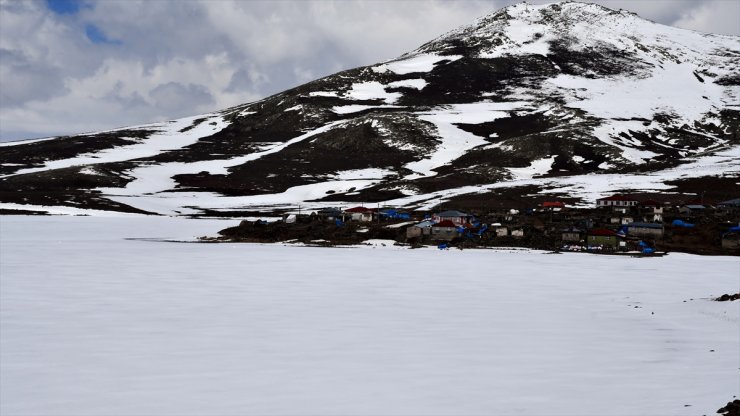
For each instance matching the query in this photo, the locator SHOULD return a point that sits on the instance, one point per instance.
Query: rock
(731, 409)
(726, 297)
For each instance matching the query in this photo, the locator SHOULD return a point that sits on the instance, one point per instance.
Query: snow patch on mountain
(536, 168)
(369, 173)
(323, 94)
(409, 83)
(455, 142)
(355, 108)
(672, 89)
(169, 137)
(424, 62)
(372, 90)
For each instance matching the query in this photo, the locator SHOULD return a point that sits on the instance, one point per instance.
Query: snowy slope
(570, 98)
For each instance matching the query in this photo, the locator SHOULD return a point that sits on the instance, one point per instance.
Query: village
(617, 224)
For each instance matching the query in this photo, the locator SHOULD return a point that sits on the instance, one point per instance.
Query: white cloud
(718, 16)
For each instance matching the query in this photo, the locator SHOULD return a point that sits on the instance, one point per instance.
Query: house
(419, 230)
(553, 205)
(645, 230)
(500, 231)
(456, 217)
(651, 206)
(360, 214)
(603, 238)
(729, 206)
(731, 240)
(692, 209)
(330, 214)
(652, 211)
(617, 201)
(445, 230)
(571, 234)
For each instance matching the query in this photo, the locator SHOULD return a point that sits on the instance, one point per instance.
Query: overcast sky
(78, 66)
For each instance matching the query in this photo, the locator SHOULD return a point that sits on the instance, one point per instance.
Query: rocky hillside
(572, 100)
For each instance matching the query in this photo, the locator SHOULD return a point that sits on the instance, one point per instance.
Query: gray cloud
(177, 99)
(25, 79)
(179, 58)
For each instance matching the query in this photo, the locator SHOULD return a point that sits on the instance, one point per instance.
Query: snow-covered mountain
(569, 99)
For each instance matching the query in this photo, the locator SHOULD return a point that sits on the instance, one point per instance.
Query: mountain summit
(566, 99)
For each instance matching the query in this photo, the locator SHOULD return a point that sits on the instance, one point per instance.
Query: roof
(445, 223)
(423, 224)
(553, 204)
(695, 206)
(452, 213)
(732, 202)
(650, 203)
(616, 198)
(329, 211)
(358, 209)
(645, 225)
(602, 232)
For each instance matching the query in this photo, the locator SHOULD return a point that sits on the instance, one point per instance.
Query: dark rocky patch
(514, 126)
(712, 188)
(67, 187)
(602, 60)
(726, 297)
(730, 409)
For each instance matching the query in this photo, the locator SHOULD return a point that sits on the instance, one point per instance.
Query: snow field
(107, 326)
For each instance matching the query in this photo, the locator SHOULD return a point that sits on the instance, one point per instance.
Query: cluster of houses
(618, 222)
(451, 224)
(630, 218)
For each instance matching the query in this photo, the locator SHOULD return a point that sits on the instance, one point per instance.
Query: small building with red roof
(360, 214)
(602, 237)
(457, 217)
(620, 201)
(553, 205)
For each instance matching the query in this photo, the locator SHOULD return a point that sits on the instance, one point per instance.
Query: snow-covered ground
(94, 324)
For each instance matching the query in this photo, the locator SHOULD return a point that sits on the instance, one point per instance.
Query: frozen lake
(94, 324)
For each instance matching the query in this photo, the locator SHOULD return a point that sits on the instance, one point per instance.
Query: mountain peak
(525, 29)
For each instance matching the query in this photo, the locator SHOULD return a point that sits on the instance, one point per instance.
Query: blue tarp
(648, 250)
(393, 214)
(680, 223)
(443, 246)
